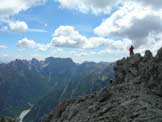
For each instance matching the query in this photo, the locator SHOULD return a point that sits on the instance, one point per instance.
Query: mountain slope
(18, 86)
(23, 82)
(87, 78)
(135, 96)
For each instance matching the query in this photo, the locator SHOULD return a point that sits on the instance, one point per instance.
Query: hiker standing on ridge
(131, 50)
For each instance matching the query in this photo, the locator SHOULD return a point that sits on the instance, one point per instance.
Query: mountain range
(43, 84)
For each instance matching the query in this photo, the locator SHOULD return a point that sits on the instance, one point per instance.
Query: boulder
(103, 95)
(135, 59)
(93, 108)
(148, 55)
(159, 54)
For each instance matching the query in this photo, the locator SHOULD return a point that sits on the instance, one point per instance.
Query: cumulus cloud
(68, 36)
(103, 6)
(121, 19)
(153, 42)
(156, 4)
(11, 7)
(27, 43)
(18, 26)
(85, 6)
(142, 25)
(140, 30)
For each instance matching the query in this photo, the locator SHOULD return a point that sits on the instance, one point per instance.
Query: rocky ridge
(135, 95)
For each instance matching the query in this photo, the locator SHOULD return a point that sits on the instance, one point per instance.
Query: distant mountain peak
(53, 59)
(34, 60)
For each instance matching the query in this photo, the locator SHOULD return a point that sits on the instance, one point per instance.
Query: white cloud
(26, 43)
(103, 6)
(121, 19)
(11, 7)
(3, 46)
(85, 6)
(140, 24)
(153, 42)
(18, 26)
(141, 29)
(156, 4)
(67, 36)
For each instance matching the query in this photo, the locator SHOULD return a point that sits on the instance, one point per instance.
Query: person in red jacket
(131, 50)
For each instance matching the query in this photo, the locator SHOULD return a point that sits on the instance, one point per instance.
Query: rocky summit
(135, 95)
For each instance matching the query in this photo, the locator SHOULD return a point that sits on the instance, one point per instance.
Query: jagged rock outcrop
(135, 95)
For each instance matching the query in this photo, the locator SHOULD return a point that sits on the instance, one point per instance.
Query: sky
(84, 30)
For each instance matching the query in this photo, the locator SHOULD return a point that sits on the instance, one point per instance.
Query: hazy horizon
(56, 58)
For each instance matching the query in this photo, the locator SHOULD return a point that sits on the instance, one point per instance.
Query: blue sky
(83, 30)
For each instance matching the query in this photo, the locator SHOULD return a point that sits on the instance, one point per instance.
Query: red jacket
(131, 49)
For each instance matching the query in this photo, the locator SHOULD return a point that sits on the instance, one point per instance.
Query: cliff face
(135, 95)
